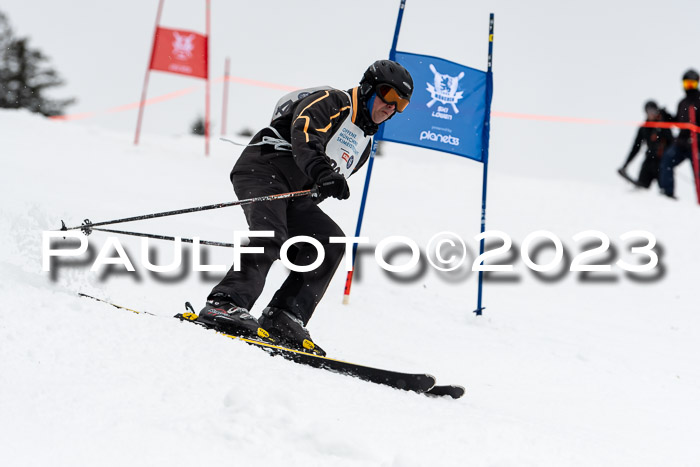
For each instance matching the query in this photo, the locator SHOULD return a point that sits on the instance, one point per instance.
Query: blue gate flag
(447, 110)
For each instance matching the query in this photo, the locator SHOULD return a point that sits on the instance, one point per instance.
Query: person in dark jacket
(318, 138)
(682, 148)
(657, 140)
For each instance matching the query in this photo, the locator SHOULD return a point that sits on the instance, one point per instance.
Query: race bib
(346, 147)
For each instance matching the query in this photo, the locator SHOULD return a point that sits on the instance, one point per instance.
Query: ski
(422, 383)
(416, 382)
(452, 390)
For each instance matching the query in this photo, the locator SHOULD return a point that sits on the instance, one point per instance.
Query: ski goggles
(390, 96)
(689, 84)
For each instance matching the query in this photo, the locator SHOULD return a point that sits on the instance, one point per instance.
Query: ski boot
(223, 315)
(288, 328)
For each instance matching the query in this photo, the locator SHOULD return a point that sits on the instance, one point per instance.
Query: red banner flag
(179, 51)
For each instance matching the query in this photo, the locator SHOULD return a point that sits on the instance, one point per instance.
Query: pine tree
(24, 77)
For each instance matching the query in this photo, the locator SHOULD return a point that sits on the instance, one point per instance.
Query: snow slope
(562, 369)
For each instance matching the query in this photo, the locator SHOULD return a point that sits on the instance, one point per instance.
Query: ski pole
(163, 237)
(87, 226)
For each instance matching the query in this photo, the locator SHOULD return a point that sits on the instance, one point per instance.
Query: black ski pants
(674, 155)
(301, 291)
(648, 172)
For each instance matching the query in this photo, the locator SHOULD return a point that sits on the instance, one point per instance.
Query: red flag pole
(694, 142)
(224, 107)
(206, 117)
(148, 71)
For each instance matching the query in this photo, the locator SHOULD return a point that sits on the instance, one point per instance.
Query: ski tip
(452, 390)
(346, 299)
(428, 381)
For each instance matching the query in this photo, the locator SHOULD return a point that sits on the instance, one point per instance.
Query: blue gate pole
(485, 145)
(394, 43)
(358, 228)
(377, 137)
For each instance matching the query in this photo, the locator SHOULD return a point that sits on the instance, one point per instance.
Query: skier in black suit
(317, 138)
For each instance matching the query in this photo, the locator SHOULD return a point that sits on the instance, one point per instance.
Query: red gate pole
(224, 107)
(694, 142)
(148, 71)
(206, 117)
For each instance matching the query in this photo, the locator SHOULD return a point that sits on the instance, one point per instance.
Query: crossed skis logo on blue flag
(444, 89)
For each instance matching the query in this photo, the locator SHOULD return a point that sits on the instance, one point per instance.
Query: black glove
(333, 184)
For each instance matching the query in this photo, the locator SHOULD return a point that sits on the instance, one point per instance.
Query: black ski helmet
(386, 72)
(691, 75)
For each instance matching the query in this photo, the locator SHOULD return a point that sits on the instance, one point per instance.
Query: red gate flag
(182, 52)
(179, 51)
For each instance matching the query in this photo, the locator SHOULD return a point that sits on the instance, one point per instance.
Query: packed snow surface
(563, 368)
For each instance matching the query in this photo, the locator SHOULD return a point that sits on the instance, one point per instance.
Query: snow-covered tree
(25, 75)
